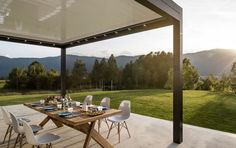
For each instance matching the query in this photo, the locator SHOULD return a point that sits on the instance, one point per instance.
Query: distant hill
(215, 61)
(6, 64)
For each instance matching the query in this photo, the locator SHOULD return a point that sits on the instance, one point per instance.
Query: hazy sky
(207, 24)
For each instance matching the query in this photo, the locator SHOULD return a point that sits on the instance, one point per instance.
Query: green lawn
(216, 110)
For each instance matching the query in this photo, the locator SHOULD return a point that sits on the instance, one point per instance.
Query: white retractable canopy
(60, 21)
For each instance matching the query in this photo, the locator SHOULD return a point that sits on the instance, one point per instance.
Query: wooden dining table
(81, 122)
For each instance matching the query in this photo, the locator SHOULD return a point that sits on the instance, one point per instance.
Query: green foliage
(216, 84)
(112, 69)
(79, 74)
(233, 77)
(169, 82)
(2, 83)
(148, 71)
(17, 79)
(105, 72)
(34, 74)
(33, 77)
(190, 75)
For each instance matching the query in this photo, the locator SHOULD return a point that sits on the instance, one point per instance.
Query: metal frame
(171, 15)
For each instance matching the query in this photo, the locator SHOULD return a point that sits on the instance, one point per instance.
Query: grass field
(215, 110)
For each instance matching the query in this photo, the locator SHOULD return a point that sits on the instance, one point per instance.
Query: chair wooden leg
(6, 133)
(119, 131)
(107, 122)
(21, 139)
(9, 137)
(16, 140)
(127, 128)
(110, 130)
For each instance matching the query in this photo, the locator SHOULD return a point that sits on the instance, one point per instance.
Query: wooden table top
(82, 117)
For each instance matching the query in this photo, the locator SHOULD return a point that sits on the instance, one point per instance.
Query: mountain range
(215, 61)
(6, 64)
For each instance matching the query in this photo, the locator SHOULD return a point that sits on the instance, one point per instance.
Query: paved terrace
(146, 132)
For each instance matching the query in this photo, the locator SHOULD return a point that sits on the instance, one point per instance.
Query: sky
(207, 24)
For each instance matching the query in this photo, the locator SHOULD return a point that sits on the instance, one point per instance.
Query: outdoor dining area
(63, 111)
(62, 24)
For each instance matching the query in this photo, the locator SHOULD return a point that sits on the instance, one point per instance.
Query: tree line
(153, 70)
(34, 77)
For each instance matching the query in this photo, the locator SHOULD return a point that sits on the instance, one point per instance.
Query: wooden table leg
(58, 124)
(89, 130)
(44, 121)
(88, 137)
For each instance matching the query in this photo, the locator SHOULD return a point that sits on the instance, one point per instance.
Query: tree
(34, 71)
(169, 82)
(209, 83)
(79, 73)
(112, 70)
(96, 73)
(190, 75)
(17, 79)
(103, 72)
(233, 77)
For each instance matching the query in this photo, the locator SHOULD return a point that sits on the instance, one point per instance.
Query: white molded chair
(8, 122)
(88, 100)
(19, 129)
(120, 119)
(104, 103)
(37, 140)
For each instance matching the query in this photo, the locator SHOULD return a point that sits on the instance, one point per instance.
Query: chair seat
(25, 119)
(117, 118)
(35, 128)
(47, 138)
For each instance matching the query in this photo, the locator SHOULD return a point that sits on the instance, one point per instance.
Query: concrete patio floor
(146, 132)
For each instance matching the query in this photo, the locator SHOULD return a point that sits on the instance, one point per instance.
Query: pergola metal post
(177, 83)
(63, 71)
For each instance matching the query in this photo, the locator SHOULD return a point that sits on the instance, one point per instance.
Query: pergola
(69, 23)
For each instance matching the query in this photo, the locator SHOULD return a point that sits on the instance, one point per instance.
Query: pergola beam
(177, 83)
(63, 71)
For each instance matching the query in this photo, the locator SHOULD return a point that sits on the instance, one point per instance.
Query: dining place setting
(65, 107)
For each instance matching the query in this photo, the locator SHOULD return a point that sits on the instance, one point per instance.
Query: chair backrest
(30, 137)
(15, 123)
(125, 106)
(105, 102)
(88, 100)
(6, 116)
